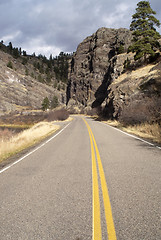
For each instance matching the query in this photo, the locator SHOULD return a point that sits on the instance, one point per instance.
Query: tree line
(57, 64)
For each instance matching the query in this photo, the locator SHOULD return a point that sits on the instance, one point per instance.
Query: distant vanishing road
(89, 181)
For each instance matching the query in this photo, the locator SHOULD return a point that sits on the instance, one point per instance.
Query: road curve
(49, 193)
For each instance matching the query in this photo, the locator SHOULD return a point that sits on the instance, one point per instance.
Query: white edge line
(128, 134)
(28, 154)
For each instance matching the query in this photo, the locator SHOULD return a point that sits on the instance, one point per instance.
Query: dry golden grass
(14, 126)
(138, 73)
(27, 138)
(144, 130)
(69, 119)
(113, 123)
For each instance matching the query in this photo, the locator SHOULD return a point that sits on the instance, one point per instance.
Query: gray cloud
(51, 26)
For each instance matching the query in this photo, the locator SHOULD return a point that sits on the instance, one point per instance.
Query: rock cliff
(92, 66)
(100, 76)
(135, 96)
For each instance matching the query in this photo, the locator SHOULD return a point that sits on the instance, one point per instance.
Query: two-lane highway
(50, 193)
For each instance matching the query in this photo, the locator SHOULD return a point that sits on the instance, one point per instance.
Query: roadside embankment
(22, 130)
(143, 130)
(18, 142)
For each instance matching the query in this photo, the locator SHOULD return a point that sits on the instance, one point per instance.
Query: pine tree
(54, 102)
(145, 40)
(15, 53)
(9, 64)
(10, 47)
(24, 53)
(45, 104)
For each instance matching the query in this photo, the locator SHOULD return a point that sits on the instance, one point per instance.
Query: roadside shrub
(5, 133)
(60, 115)
(24, 119)
(141, 111)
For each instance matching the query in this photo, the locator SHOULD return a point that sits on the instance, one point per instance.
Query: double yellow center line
(97, 232)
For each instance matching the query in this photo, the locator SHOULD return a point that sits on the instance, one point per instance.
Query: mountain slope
(25, 81)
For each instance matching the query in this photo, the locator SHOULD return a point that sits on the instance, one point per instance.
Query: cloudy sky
(51, 26)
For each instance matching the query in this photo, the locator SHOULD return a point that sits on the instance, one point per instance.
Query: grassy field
(20, 131)
(12, 143)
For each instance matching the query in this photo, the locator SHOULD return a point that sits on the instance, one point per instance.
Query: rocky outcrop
(137, 94)
(93, 64)
(103, 75)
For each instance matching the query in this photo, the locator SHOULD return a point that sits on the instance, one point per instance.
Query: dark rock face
(92, 67)
(98, 78)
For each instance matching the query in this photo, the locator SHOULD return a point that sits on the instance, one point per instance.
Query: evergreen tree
(10, 47)
(145, 40)
(24, 53)
(61, 66)
(40, 79)
(54, 102)
(9, 64)
(120, 49)
(15, 53)
(51, 58)
(26, 72)
(20, 51)
(48, 78)
(38, 65)
(24, 61)
(45, 104)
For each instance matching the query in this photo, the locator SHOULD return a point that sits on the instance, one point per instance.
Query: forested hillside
(26, 80)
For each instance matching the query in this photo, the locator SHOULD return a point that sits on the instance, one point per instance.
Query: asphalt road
(49, 194)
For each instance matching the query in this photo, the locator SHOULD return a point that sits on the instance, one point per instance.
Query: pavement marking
(130, 135)
(97, 234)
(107, 206)
(28, 154)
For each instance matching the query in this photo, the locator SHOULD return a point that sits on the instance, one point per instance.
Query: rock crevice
(92, 66)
